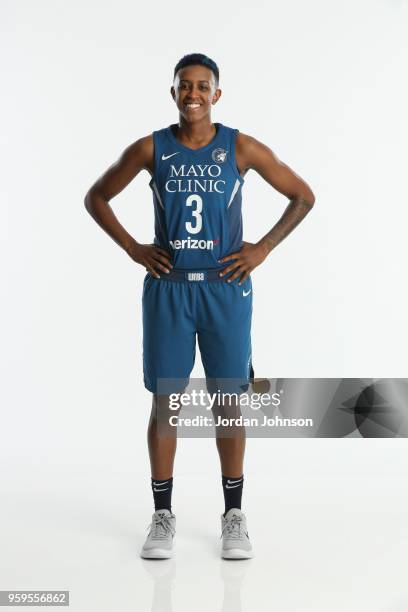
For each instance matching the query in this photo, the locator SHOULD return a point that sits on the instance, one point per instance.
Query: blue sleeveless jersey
(197, 199)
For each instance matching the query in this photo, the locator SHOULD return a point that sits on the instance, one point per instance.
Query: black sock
(162, 490)
(232, 488)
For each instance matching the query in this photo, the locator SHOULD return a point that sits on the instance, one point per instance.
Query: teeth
(192, 105)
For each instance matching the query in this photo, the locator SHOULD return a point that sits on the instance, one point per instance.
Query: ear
(216, 96)
(173, 93)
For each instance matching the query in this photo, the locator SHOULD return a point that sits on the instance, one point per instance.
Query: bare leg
(231, 452)
(162, 445)
(230, 442)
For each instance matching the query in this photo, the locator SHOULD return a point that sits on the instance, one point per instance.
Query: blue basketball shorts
(188, 304)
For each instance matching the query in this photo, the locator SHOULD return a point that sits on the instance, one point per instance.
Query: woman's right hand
(152, 257)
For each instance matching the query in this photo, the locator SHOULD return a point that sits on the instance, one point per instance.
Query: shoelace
(233, 528)
(160, 527)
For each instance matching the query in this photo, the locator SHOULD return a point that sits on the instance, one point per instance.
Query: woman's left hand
(244, 261)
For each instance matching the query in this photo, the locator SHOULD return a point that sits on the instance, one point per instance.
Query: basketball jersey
(197, 199)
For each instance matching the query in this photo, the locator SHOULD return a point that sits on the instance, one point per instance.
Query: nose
(193, 93)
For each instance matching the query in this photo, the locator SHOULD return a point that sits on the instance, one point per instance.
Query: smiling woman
(198, 283)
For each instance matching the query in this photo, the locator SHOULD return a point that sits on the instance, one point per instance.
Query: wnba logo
(195, 276)
(219, 155)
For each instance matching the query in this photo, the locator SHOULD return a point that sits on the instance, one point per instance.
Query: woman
(198, 281)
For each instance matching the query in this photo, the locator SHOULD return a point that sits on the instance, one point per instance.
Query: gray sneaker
(159, 542)
(234, 533)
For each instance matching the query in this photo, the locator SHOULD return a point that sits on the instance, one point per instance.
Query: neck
(197, 132)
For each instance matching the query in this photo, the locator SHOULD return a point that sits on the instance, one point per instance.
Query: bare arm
(138, 156)
(252, 154)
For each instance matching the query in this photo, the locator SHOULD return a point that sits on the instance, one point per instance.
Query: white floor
(328, 521)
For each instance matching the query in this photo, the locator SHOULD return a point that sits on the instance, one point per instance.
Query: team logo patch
(219, 155)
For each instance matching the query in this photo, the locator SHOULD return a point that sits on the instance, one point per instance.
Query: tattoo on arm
(296, 210)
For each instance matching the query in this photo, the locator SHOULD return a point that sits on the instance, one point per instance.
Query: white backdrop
(323, 84)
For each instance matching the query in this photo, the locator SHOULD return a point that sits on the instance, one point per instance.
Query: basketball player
(198, 279)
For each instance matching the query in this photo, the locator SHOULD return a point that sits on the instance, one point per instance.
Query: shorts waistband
(193, 276)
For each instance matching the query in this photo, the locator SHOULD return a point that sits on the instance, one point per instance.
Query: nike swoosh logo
(164, 157)
(245, 293)
(234, 481)
(154, 489)
(232, 486)
(159, 484)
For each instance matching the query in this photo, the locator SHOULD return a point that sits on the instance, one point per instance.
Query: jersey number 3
(195, 199)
